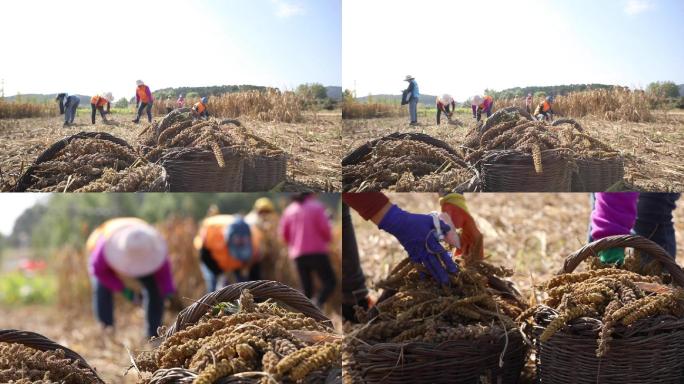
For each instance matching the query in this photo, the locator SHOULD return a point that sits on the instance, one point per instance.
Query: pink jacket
(305, 228)
(100, 269)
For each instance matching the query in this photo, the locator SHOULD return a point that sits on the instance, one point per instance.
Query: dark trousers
(446, 111)
(354, 291)
(318, 263)
(142, 107)
(654, 220)
(103, 304)
(94, 108)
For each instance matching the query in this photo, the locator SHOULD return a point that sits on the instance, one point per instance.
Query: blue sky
(463, 47)
(83, 46)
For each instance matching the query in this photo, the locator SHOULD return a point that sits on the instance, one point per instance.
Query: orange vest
(546, 106)
(141, 91)
(199, 107)
(211, 236)
(98, 101)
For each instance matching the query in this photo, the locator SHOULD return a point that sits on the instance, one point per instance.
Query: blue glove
(414, 233)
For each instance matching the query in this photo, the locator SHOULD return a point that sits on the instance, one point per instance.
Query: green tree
(312, 91)
(121, 103)
(664, 89)
(192, 95)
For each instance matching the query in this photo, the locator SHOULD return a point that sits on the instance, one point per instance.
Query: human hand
(416, 233)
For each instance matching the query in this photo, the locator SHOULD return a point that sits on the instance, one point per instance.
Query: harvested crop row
(405, 165)
(24, 365)
(264, 339)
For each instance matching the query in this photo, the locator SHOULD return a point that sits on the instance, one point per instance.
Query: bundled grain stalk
(262, 340)
(24, 365)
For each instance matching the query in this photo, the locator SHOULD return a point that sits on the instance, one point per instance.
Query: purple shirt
(305, 228)
(99, 268)
(614, 214)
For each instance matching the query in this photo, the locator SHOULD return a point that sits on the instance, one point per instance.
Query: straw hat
(409, 78)
(135, 250)
(264, 204)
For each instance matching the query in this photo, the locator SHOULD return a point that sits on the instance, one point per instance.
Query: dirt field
(653, 151)
(314, 146)
(530, 233)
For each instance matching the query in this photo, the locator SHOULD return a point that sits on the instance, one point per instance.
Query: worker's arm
(164, 279)
(614, 213)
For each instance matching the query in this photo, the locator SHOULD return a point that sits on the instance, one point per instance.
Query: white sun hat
(135, 250)
(446, 99)
(139, 82)
(477, 100)
(408, 78)
(108, 96)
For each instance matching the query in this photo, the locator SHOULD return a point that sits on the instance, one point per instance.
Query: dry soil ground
(530, 233)
(314, 145)
(653, 151)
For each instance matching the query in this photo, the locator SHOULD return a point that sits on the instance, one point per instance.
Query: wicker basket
(359, 153)
(649, 351)
(53, 150)
(490, 359)
(597, 175)
(42, 343)
(264, 168)
(196, 170)
(261, 290)
(513, 171)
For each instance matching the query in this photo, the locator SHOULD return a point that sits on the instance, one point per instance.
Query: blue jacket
(71, 101)
(413, 89)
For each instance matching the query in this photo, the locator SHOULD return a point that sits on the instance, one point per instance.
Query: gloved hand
(415, 233)
(131, 295)
(454, 205)
(612, 256)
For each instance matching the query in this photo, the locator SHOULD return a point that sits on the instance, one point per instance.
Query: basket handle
(42, 343)
(621, 241)
(264, 289)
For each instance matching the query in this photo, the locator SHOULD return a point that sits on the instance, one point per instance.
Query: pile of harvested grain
(405, 165)
(20, 364)
(608, 297)
(512, 129)
(263, 342)
(92, 162)
(179, 129)
(477, 302)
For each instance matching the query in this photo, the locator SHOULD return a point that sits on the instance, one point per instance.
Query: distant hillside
(423, 99)
(681, 90)
(548, 90)
(334, 92)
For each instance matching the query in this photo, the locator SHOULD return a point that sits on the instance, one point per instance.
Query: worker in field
(127, 254)
(143, 101)
(621, 213)
(180, 103)
(68, 104)
(227, 244)
(98, 103)
(306, 230)
(199, 110)
(168, 104)
(482, 104)
(264, 218)
(445, 105)
(410, 96)
(419, 234)
(544, 111)
(529, 100)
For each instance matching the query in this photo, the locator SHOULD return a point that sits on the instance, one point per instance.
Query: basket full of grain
(406, 162)
(516, 154)
(91, 162)
(28, 357)
(609, 324)
(251, 332)
(598, 166)
(423, 332)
